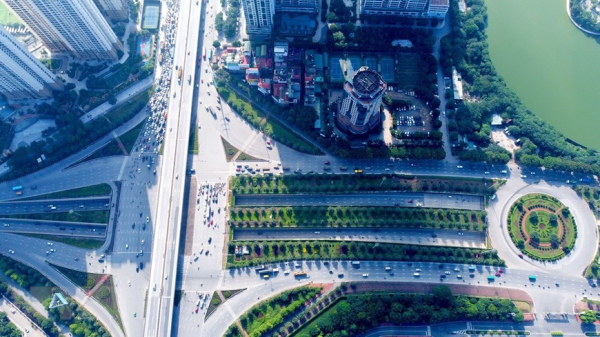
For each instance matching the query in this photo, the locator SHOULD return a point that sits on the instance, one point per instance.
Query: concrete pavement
(19, 319)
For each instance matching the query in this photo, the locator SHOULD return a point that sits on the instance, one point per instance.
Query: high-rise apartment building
(114, 9)
(410, 8)
(259, 16)
(22, 76)
(358, 109)
(297, 6)
(76, 26)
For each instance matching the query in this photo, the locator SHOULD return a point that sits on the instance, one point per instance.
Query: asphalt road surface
(432, 237)
(52, 206)
(159, 311)
(433, 200)
(60, 228)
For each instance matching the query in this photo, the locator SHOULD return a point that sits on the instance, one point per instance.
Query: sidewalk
(268, 114)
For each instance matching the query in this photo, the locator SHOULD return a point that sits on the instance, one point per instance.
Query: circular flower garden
(541, 227)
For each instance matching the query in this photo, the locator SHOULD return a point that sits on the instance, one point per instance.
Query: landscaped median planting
(542, 227)
(341, 183)
(275, 251)
(270, 314)
(242, 217)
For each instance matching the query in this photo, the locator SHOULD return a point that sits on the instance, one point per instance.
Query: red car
(196, 309)
(501, 270)
(409, 201)
(326, 162)
(498, 274)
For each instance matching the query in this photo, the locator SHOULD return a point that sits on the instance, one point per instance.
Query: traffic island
(542, 227)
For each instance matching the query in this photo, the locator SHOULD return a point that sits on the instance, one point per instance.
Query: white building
(358, 109)
(76, 26)
(409, 8)
(114, 9)
(259, 16)
(22, 76)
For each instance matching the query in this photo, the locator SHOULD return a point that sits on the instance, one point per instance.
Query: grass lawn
(105, 294)
(117, 78)
(6, 17)
(82, 192)
(542, 206)
(193, 145)
(324, 316)
(76, 242)
(98, 216)
(52, 64)
(231, 150)
(524, 307)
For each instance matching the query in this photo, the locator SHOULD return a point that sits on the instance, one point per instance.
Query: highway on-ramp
(159, 312)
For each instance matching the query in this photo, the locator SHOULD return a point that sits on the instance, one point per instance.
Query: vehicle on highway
(365, 275)
(459, 276)
(459, 166)
(300, 274)
(356, 264)
(490, 278)
(532, 278)
(416, 274)
(388, 268)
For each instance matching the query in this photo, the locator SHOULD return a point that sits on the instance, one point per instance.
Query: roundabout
(541, 227)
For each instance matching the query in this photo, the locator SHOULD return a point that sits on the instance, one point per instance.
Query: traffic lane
(49, 229)
(45, 206)
(387, 235)
(18, 318)
(545, 282)
(366, 199)
(432, 200)
(12, 225)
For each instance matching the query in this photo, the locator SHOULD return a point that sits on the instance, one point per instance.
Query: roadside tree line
(321, 216)
(466, 48)
(277, 251)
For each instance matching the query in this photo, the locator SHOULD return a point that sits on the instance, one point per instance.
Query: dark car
(340, 275)
(142, 265)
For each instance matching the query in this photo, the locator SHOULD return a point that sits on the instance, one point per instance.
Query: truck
(491, 278)
(18, 190)
(204, 53)
(265, 271)
(212, 111)
(179, 73)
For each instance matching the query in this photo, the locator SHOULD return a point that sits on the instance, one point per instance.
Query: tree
(216, 44)
(533, 217)
(443, 296)
(535, 236)
(588, 317)
(554, 241)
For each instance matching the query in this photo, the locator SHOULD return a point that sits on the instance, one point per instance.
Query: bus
(532, 278)
(204, 53)
(300, 274)
(17, 188)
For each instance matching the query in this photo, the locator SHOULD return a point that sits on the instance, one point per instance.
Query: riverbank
(576, 24)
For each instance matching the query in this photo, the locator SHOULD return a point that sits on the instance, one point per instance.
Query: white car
(127, 246)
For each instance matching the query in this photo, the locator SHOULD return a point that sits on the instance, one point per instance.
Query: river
(550, 64)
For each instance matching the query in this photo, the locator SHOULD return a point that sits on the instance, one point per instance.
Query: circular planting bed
(541, 227)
